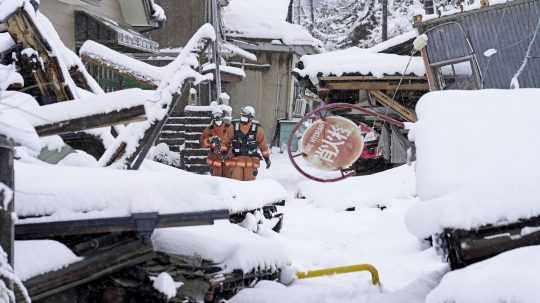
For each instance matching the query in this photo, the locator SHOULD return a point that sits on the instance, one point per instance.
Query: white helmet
(217, 114)
(248, 111)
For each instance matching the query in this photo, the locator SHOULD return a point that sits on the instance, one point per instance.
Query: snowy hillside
(345, 23)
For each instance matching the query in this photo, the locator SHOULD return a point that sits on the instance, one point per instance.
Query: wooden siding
(62, 15)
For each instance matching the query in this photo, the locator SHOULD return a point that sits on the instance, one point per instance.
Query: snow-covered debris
(165, 284)
(14, 109)
(477, 159)
(9, 76)
(115, 193)
(121, 61)
(357, 61)
(509, 277)
(96, 104)
(37, 257)
(230, 245)
(8, 275)
(162, 153)
(209, 108)
(260, 19)
(363, 191)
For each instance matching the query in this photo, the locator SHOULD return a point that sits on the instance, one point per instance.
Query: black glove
(268, 162)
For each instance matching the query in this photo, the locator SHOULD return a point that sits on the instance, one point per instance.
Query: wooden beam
(47, 230)
(124, 116)
(107, 261)
(51, 81)
(373, 85)
(388, 102)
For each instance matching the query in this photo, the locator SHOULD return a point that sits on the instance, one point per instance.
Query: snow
(159, 13)
(319, 236)
(210, 108)
(471, 173)
(85, 192)
(9, 76)
(230, 245)
(165, 284)
(357, 61)
(121, 61)
(399, 39)
(37, 257)
(369, 191)
(471, 5)
(224, 68)
(509, 277)
(96, 104)
(7, 195)
(260, 19)
(14, 108)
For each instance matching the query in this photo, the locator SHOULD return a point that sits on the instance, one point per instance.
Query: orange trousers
(243, 168)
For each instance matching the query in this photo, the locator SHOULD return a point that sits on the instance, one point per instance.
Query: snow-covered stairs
(182, 132)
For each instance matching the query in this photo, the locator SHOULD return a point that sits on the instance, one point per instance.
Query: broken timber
(51, 82)
(387, 101)
(142, 223)
(101, 263)
(410, 83)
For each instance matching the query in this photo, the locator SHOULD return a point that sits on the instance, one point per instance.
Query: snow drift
(477, 159)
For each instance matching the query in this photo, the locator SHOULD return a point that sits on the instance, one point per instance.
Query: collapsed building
(98, 220)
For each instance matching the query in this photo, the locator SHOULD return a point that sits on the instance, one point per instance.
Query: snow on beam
(109, 109)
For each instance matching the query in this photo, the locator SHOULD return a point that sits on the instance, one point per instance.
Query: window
(457, 74)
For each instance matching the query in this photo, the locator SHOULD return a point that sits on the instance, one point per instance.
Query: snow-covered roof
(477, 159)
(357, 61)
(392, 42)
(109, 193)
(262, 19)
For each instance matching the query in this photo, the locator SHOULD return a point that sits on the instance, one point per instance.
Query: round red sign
(332, 144)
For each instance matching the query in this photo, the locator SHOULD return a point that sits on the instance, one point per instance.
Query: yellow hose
(342, 270)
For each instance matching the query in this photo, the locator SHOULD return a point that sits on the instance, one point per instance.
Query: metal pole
(215, 48)
(7, 230)
(385, 20)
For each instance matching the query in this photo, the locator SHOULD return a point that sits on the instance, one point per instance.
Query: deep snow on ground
(317, 235)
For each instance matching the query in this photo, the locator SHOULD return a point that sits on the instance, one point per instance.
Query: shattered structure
(121, 229)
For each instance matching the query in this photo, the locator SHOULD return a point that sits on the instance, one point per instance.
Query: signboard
(332, 144)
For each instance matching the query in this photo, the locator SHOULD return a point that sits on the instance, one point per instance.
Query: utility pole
(7, 229)
(215, 47)
(384, 20)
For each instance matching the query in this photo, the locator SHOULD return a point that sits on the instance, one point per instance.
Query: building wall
(269, 91)
(505, 27)
(62, 15)
(184, 18)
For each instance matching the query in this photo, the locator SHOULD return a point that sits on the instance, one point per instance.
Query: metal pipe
(215, 48)
(375, 280)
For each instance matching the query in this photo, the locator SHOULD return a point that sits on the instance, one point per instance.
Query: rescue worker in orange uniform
(212, 137)
(242, 141)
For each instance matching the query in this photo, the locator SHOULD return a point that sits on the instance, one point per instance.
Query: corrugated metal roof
(507, 28)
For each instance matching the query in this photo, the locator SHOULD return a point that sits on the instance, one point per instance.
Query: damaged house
(483, 46)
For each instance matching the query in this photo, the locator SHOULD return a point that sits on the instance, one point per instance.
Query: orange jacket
(209, 132)
(244, 128)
